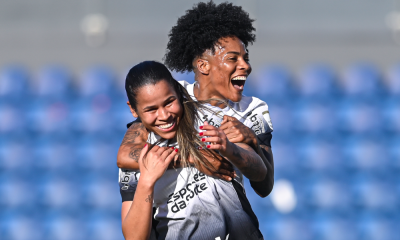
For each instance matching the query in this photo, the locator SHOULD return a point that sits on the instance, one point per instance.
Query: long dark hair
(152, 72)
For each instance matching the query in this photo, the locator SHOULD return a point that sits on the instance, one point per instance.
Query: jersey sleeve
(128, 180)
(258, 119)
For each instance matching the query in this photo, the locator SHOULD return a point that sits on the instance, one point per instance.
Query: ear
(132, 110)
(203, 66)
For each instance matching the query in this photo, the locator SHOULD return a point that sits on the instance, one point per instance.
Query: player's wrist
(147, 182)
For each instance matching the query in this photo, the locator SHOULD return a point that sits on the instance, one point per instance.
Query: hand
(217, 139)
(153, 165)
(223, 168)
(237, 132)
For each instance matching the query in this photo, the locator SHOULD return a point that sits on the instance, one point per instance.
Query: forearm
(264, 187)
(133, 142)
(137, 223)
(128, 156)
(247, 161)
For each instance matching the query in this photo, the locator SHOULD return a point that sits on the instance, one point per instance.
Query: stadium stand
(335, 140)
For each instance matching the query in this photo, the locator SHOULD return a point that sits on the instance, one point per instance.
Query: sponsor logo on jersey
(125, 177)
(214, 121)
(179, 200)
(258, 123)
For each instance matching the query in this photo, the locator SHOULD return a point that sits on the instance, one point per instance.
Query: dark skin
(237, 132)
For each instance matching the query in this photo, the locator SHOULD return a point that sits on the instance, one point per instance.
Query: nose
(163, 114)
(245, 66)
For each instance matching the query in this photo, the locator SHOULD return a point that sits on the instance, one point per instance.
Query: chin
(168, 135)
(236, 98)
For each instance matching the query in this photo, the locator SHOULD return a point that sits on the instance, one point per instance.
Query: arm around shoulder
(132, 144)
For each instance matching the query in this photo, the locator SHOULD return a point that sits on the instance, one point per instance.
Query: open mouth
(238, 82)
(167, 127)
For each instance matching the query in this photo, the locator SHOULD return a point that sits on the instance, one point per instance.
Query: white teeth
(240, 78)
(166, 125)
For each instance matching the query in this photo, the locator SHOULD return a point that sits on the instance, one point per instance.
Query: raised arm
(239, 154)
(137, 223)
(134, 140)
(237, 132)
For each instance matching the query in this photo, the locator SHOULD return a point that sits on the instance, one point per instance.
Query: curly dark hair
(201, 28)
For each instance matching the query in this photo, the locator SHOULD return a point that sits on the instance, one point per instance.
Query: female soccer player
(189, 204)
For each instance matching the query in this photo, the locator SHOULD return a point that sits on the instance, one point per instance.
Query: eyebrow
(167, 100)
(237, 53)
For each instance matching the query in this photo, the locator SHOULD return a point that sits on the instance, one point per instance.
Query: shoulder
(257, 114)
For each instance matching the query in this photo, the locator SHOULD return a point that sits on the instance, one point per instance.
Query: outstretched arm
(134, 140)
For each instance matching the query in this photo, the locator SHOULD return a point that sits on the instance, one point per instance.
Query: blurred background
(329, 71)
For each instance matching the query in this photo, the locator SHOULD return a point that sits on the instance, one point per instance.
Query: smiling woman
(160, 115)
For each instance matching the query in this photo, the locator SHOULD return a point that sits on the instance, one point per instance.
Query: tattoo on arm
(248, 160)
(135, 153)
(149, 198)
(134, 133)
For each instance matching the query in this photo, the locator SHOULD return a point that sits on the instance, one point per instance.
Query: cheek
(148, 119)
(177, 109)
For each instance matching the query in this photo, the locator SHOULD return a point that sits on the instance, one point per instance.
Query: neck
(202, 93)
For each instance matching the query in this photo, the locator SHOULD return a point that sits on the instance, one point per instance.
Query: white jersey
(191, 205)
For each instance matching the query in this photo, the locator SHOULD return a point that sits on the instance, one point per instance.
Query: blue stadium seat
(391, 116)
(64, 227)
(283, 120)
(330, 227)
(393, 81)
(394, 153)
(272, 84)
(332, 195)
(99, 154)
(104, 227)
(99, 193)
(363, 81)
(14, 84)
(57, 192)
(367, 154)
(376, 195)
(316, 118)
(93, 115)
(20, 227)
(98, 80)
(376, 227)
(54, 82)
(121, 116)
(58, 155)
(19, 195)
(12, 119)
(318, 82)
(288, 156)
(13, 156)
(360, 118)
(322, 155)
(49, 117)
(288, 228)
